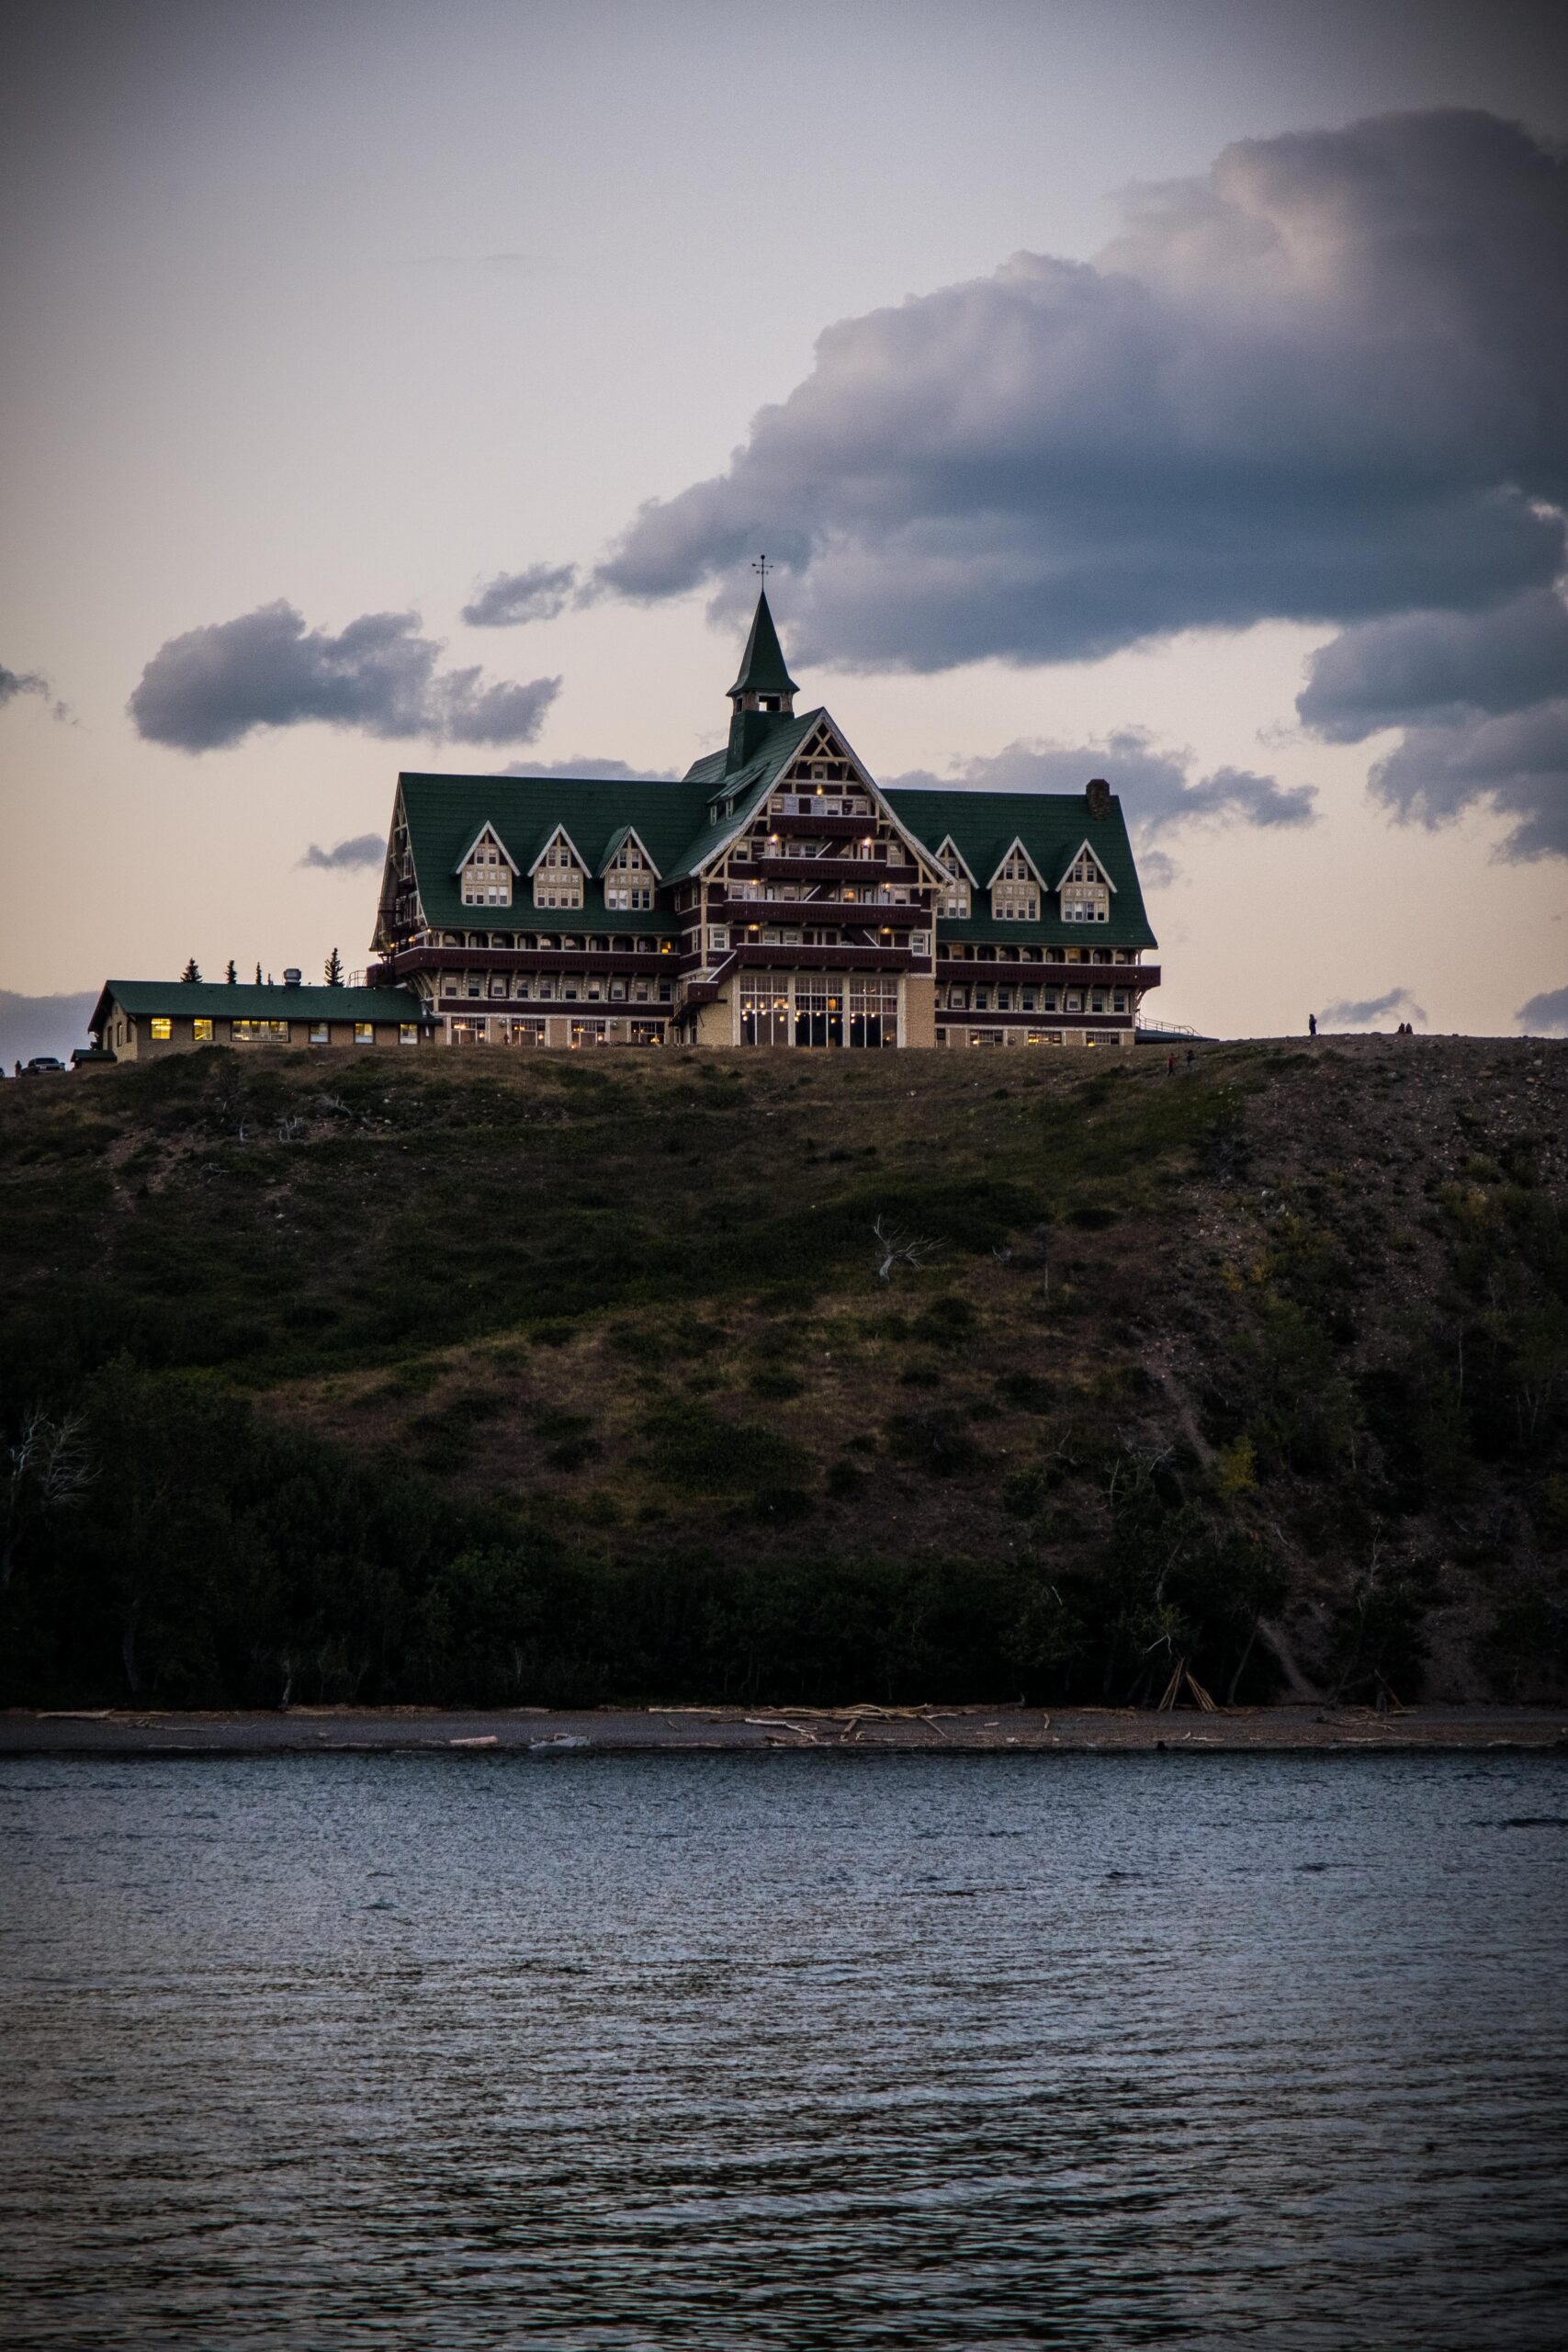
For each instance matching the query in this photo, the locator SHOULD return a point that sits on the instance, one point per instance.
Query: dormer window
(1015, 889)
(558, 876)
(1086, 893)
(486, 873)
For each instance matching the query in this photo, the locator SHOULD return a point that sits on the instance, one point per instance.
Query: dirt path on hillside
(541, 1731)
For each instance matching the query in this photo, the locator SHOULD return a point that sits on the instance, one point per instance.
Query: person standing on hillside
(1312, 1024)
(1170, 1065)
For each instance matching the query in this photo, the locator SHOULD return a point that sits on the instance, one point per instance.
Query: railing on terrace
(519, 959)
(1065, 976)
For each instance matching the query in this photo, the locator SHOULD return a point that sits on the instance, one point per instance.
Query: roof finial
(761, 567)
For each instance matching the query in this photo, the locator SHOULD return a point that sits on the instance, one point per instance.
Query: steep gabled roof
(1085, 844)
(617, 841)
(486, 828)
(763, 670)
(444, 811)
(742, 790)
(558, 834)
(1017, 841)
(1050, 825)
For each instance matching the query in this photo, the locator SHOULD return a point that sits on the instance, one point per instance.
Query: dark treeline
(208, 1557)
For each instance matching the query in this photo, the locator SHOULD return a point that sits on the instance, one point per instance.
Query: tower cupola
(763, 692)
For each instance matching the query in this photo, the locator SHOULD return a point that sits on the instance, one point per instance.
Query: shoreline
(318, 1731)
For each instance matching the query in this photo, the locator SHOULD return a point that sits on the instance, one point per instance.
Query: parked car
(41, 1066)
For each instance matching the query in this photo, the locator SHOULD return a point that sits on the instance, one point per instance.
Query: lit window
(162, 1029)
(201, 1031)
(408, 1033)
(365, 1032)
(319, 1033)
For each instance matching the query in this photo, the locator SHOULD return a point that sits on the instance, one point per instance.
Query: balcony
(988, 971)
(773, 865)
(822, 829)
(875, 914)
(393, 969)
(770, 956)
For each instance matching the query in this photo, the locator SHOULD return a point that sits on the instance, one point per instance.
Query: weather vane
(762, 567)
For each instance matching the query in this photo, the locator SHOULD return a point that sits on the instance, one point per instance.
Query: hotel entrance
(804, 1009)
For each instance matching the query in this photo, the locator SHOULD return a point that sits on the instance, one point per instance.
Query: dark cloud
(1484, 699)
(1154, 786)
(1517, 764)
(365, 849)
(42, 1024)
(537, 594)
(1325, 383)
(217, 685)
(14, 683)
(1545, 1015)
(1436, 667)
(1371, 1012)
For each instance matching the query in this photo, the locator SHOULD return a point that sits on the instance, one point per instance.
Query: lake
(587, 2052)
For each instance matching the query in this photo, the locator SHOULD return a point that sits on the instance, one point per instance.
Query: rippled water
(784, 2051)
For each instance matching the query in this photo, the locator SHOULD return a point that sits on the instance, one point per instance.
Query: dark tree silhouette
(192, 970)
(334, 969)
(230, 975)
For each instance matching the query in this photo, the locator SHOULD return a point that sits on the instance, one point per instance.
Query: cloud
(14, 683)
(365, 849)
(42, 1024)
(584, 771)
(217, 685)
(511, 597)
(1153, 786)
(1545, 1015)
(1483, 700)
(1371, 1012)
(1325, 383)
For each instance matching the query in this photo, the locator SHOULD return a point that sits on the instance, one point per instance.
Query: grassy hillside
(447, 1377)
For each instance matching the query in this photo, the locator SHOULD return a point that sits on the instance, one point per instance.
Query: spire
(763, 670)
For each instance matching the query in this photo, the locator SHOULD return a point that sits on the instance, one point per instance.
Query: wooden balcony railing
(988, 972)
(394, 968)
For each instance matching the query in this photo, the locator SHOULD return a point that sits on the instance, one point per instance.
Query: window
(475, 1032)
(319, 1033)
(1086, 897)
(487, 875)
(521, 1033)
(201, 1031)
(558, 877)
(589, 1032)
(647, 1033)
(988, 1037)
(626, 897)
(1045, 1037)
(365, 1032)
(1101, 1037)
(256, 1032)
(1015, 893)
(408, 1033)
(162, 1029)
(873, 1012)
(764, 1012)
(497, 984)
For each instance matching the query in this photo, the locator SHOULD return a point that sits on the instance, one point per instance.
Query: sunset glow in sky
(1172, 390)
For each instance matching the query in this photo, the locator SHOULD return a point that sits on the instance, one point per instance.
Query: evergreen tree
(334, 970)
(230, 975)
(192, 970)
(258, 976)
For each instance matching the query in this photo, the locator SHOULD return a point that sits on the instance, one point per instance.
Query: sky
(1175, 391)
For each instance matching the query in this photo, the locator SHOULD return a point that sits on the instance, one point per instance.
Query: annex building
(775, 896)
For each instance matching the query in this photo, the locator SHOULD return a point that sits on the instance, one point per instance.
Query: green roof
(243, 1001)
(680, 825)
(1052, 826)
(763, 670)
